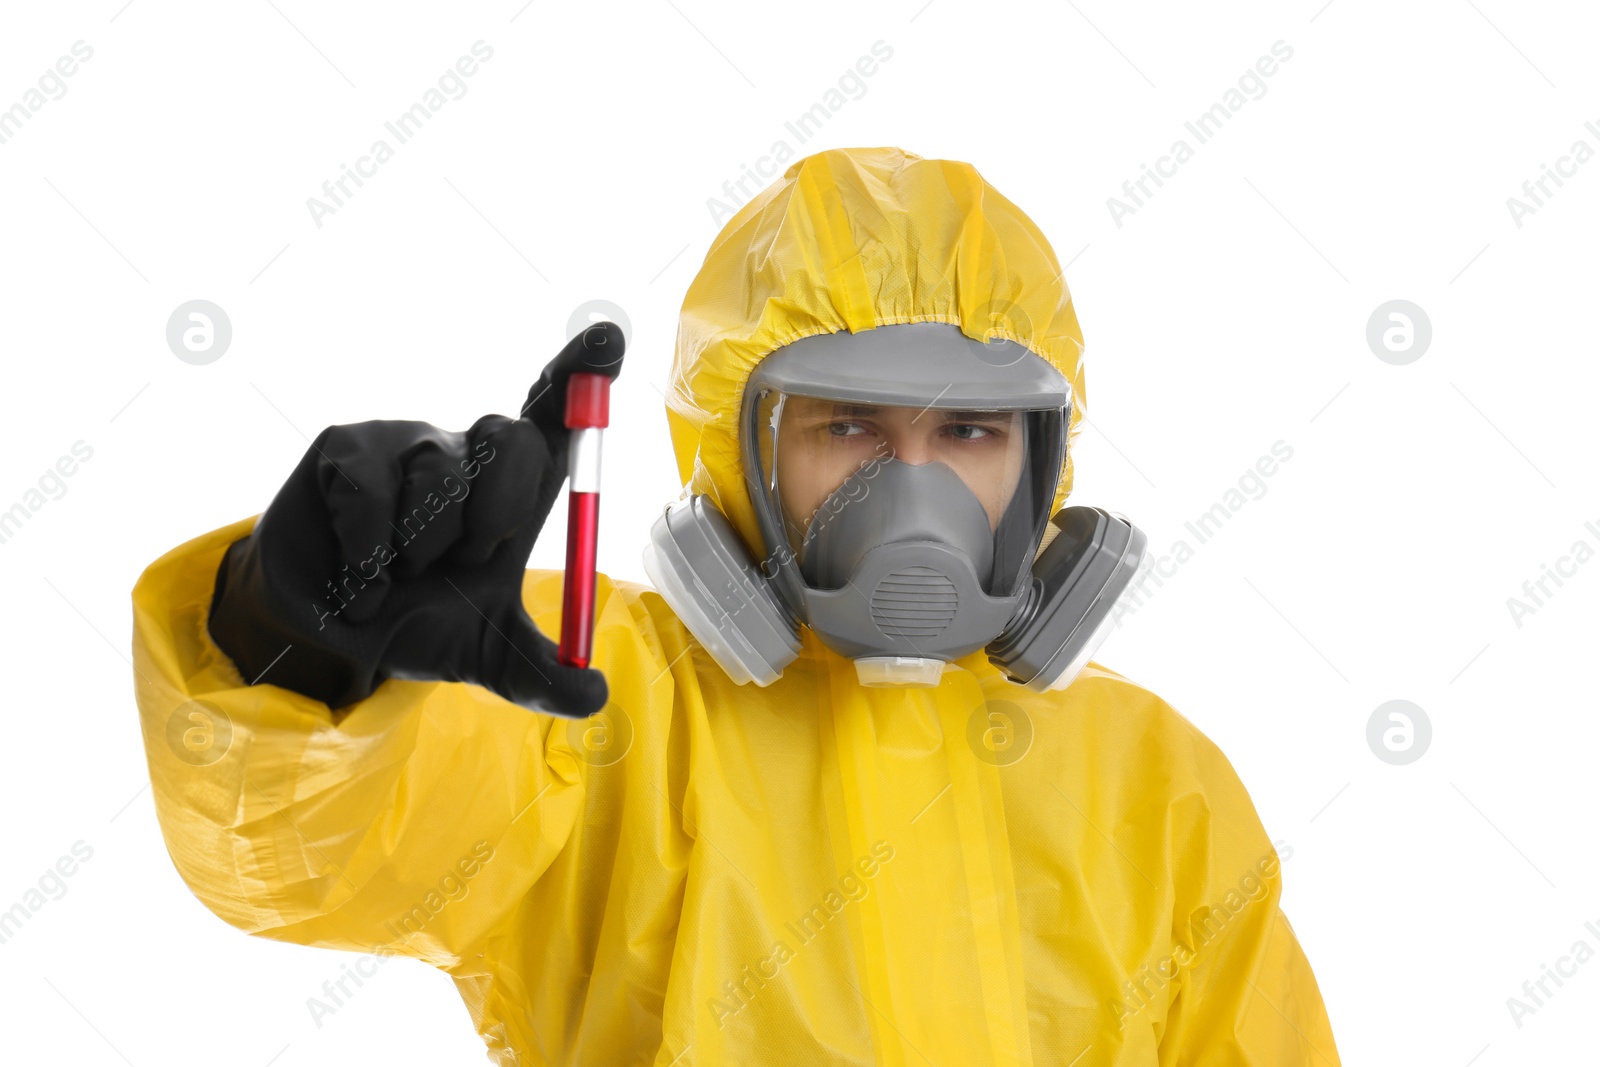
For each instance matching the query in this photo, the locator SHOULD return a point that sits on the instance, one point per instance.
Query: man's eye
(969, 431)
(845, 429)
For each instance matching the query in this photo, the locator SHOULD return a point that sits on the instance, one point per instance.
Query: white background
(1228, 313)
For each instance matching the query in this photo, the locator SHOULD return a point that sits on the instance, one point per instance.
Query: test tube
(588, 413)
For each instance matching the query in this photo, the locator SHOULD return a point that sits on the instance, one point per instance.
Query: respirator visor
(840, 476)
(901, 479)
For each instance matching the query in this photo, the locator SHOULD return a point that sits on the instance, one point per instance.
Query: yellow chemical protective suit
(811, 873)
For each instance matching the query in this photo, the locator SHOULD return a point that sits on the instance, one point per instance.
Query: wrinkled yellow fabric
(811, 873)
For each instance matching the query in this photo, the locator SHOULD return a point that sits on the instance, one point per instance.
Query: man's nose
(912, 447)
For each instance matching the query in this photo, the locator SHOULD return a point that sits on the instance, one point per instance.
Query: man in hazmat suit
(842, 789)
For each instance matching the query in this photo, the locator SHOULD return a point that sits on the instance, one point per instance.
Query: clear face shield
(980, 480)
(902, 494)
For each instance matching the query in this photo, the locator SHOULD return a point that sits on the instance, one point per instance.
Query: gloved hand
(397, 549)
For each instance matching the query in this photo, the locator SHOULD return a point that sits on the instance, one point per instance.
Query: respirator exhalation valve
(914, 603)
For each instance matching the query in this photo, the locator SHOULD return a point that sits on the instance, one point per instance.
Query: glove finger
(430, 512)
(520, 664)
(597, 350)
(358, 472)
(512, 482)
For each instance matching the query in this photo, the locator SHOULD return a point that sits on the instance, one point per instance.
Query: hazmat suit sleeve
(1244, 994)
(409, 824)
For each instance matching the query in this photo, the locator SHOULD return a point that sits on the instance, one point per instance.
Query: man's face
(823, 442)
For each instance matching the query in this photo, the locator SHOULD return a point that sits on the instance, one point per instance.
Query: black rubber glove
(397, 549)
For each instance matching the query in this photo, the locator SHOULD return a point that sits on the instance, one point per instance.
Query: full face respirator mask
(902, 479)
